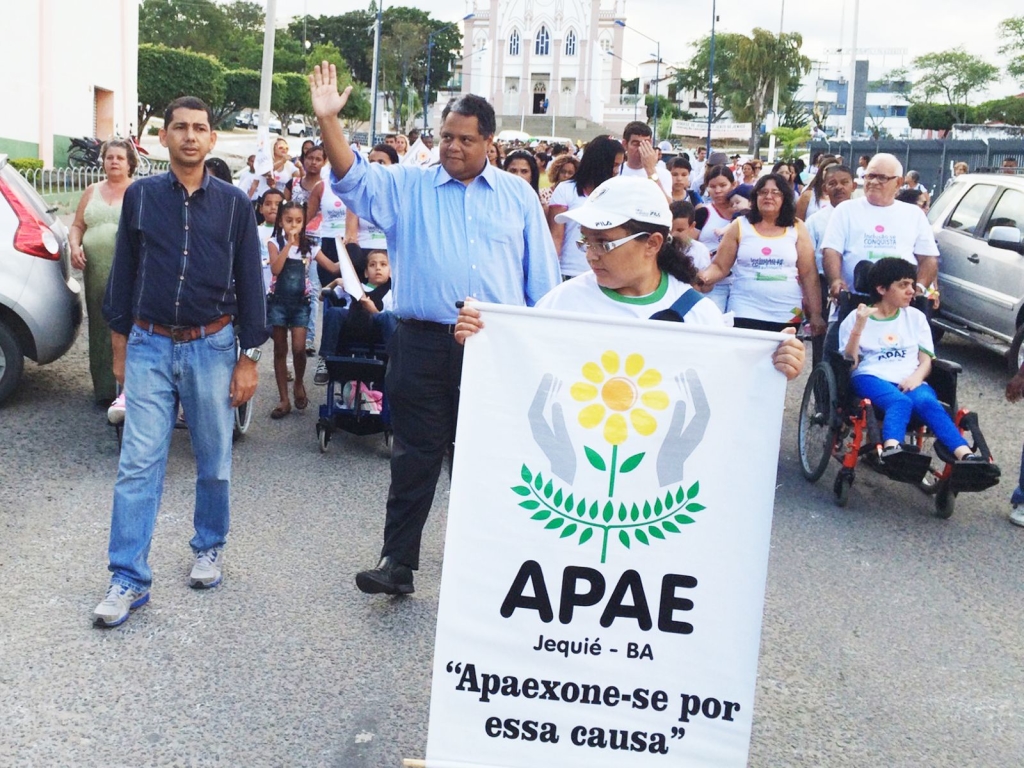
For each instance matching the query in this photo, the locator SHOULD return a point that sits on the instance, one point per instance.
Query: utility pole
(264, 159)
(373, 76)
(853, 73)
(775, 98)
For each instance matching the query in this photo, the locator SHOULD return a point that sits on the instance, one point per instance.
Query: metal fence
(50, 181)
(932, 158)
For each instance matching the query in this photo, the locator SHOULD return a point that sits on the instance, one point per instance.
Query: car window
(970, 210)
(1009, 212)
(940, 204)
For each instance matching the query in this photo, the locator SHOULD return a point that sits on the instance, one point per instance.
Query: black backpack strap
(680, 307)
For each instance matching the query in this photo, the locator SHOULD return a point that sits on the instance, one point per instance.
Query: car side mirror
(1007, 238)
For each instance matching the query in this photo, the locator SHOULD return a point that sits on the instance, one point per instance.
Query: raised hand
(323, 91)
(553, 439)
(683, 438)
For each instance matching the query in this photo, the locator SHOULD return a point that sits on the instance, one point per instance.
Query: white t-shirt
(711, 240)
(766, 284)
(697, 169)
(816, 226)
(372, 237)
(664, 176)
(265, 231)
(700, 254)
(583, 294)
(888, 348)
(864, 232)
(245, 181)
(281, 179)
(572, 261)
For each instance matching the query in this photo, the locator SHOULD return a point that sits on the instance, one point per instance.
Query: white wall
(58, 52)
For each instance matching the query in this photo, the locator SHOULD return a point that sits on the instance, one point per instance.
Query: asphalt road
(891, 638)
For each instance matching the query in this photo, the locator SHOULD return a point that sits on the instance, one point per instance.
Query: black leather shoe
(389, 578)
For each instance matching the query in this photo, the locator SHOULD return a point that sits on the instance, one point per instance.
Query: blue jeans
(158, 373)
(900, 406)
(1018, 492)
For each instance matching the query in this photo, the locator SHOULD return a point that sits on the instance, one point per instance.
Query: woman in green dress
(92, 236)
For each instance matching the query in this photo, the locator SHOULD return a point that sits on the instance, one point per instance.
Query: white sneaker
(1017, 515)
(206, 571)
(115, 413)
(118, 605)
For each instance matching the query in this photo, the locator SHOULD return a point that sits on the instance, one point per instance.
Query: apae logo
(620, 401)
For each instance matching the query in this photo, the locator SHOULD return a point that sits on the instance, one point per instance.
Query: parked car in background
(297, 127)
(40, 303)
(979, 226)
(274, 125)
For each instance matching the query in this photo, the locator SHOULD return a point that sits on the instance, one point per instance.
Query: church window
(513, 43)
(570, 43)
(542, 44)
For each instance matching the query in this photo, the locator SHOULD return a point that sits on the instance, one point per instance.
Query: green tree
(937, 117)
(694, 77)
(241, 90)
(197, 24)
(666, 108)
(358, 106)
(792, 139)
(351, 33)
(167, 73)
(1011, 31)
(290, 97)
(954, 75)
(1009, 110)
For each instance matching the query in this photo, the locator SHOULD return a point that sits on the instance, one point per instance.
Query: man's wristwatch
(653, 176)
(253, 353)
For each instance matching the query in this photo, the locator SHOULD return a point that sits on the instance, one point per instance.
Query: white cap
(665, 146)
(621, 199)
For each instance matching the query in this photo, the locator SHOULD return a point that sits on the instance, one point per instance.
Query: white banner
(607, 544)
(718, 130)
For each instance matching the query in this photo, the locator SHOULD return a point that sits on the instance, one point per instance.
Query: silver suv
(40, 303)
(979, 225)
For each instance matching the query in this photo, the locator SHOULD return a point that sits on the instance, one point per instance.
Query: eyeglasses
(881, 178)
(607, 247)
(769, 193)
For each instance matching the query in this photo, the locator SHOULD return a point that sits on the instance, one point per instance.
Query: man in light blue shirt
(462, 230)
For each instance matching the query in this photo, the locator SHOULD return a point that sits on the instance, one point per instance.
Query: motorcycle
(85, 153)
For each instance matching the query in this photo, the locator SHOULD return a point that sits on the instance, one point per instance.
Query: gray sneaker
(1017, 514)
(206, 571)
(118, 605)
(321, 376)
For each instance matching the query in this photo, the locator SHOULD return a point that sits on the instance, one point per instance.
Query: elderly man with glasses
(877, 225)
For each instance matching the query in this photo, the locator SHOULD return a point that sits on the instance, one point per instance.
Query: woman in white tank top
(719, 184)
(771, 257)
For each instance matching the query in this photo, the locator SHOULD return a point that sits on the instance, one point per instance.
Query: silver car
(979, 226)
(40, 303)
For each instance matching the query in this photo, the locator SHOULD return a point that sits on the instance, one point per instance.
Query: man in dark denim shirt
(186, 277)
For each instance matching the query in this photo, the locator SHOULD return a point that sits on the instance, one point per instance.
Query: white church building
(547, 57)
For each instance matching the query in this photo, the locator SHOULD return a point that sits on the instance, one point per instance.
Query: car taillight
(32, 235)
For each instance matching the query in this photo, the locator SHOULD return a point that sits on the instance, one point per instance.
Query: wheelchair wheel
(841, 487)
(819, 422)
(323, 437)
(945, 501)
(243, 418)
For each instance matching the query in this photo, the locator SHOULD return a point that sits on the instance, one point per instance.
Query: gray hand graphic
(553, 439)
(683, 438)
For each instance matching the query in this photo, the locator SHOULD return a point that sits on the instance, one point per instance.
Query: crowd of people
(607, 228)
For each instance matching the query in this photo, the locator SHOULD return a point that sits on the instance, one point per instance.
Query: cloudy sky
(918, 26)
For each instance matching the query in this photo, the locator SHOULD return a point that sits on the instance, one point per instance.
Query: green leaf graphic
(647, 510)
(529, 504)
(595, 459)
(693, 490)
(522, 490)
(623, 512)
(655, 531)
(694, 507)
(631, 463)
(548, 489)
(555, 522)
(569, 530)
(527, 475)
(593, 511)
(658, 508)
(585, 536)
(624, 538)
(634, 513)
(670, 526)
(538, 481)
(679, 495)
(668, 499)
(683, 519)
(544, 514)
(557, 501)
(569, 503)
(641, 536)
(609, 512)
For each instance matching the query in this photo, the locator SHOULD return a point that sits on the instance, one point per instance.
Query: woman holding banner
(636, 269)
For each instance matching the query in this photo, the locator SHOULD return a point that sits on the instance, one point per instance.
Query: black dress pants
(422, 381)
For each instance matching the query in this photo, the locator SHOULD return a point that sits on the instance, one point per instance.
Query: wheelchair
(836, 424)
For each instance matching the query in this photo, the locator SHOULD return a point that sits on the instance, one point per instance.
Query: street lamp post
(373, 75)
(657, 72)
(711, 81)
(430, 52)
(636, 68)
(775, 98)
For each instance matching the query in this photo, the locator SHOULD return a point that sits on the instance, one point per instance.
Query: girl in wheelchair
(890, 345)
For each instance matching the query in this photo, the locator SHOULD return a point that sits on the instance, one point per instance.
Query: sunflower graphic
(619, 394)
(891, 340)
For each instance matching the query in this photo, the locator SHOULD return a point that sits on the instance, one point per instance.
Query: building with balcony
(878, 107)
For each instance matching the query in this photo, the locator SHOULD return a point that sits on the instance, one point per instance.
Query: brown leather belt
(182, 334)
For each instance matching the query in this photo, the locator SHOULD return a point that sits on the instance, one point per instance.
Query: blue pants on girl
(900, 406)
